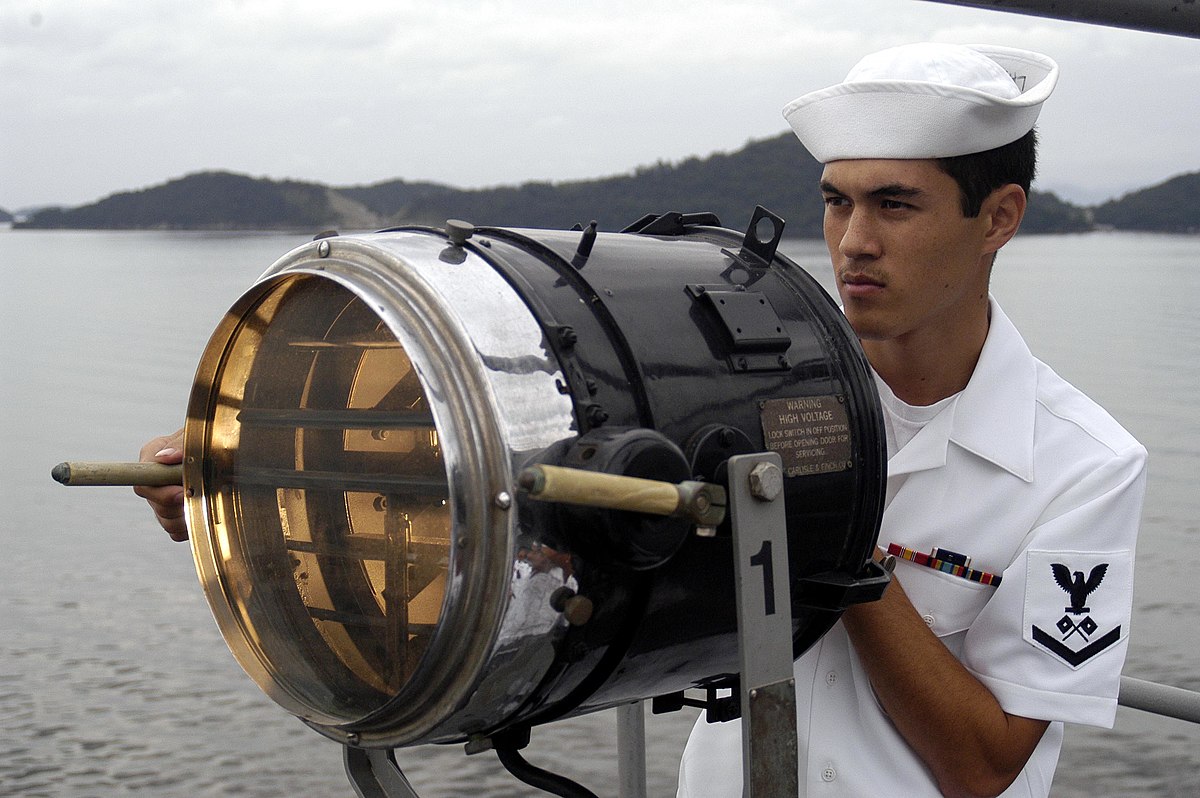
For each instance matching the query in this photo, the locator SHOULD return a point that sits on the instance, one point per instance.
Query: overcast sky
(99, 96)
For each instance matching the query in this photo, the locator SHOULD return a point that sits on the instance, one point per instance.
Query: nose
(857, 236)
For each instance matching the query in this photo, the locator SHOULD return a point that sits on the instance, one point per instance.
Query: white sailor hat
(925, 100)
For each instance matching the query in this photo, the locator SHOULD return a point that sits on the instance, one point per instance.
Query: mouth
(860, 285)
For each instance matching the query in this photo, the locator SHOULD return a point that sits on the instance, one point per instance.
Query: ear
(1002, 213)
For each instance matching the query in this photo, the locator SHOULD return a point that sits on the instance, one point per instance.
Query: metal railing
(1159, 699)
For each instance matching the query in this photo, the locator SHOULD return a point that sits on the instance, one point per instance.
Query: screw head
(766, 481)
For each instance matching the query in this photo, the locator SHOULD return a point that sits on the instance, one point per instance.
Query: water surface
(115, 681)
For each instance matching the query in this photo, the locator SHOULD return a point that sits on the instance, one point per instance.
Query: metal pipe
(631, 750)
(1160, 699)
(1154, 16)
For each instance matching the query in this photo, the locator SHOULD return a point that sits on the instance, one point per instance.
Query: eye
(894, 205)
(834, 201)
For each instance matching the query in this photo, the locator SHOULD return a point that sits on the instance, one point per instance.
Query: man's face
(906, 260)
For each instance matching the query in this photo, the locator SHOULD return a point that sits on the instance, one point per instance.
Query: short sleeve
(1051, 643)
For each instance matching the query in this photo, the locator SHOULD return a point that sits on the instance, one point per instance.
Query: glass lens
(327, 498)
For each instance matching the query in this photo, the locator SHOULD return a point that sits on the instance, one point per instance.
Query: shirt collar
(993, 417)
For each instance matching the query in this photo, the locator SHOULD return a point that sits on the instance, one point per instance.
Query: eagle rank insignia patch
(1077, 604)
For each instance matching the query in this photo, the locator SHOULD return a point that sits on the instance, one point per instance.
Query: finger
(152, 449)
(163, 494)
(168, 455)
(171, 515)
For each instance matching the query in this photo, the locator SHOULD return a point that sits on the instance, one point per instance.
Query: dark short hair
(981, 173)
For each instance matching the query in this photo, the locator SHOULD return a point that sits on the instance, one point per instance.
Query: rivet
(504, 500)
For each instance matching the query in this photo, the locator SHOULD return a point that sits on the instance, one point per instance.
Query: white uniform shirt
(1032, 480)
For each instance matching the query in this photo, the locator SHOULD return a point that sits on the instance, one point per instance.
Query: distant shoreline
(771, 172)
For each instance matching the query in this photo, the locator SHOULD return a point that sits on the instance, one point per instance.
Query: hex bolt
(766, 482)
(567, 337)
(596, 415)
(504, 500)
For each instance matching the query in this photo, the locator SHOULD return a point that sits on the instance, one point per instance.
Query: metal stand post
(631, 750)
(374, 773)
(768, 690)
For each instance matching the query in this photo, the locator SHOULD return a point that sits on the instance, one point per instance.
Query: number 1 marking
(763, 558)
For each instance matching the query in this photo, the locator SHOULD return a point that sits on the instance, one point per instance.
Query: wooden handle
(699, 501)
(129, 474)
(593, 489)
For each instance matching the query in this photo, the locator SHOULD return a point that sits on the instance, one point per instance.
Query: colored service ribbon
(929, 561)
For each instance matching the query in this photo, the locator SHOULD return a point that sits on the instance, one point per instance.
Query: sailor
(1012, 500)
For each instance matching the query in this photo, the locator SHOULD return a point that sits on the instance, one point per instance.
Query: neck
(924, 369)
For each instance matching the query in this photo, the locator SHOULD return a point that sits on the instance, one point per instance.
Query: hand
(166, 502)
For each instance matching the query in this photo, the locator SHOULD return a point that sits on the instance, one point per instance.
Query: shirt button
(828, 774)
(831, 678)
(928, 619)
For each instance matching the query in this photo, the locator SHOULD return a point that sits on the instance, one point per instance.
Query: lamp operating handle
(108, 473)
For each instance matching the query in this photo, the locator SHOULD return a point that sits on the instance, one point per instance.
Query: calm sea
(115, 681)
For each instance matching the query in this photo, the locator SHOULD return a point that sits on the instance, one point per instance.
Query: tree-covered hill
(214, 201)
(1167, 207)
(777, 173)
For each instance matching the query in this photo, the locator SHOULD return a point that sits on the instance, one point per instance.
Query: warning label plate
(811, 434)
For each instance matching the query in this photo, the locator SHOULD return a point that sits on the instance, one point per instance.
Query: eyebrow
(888, 191)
